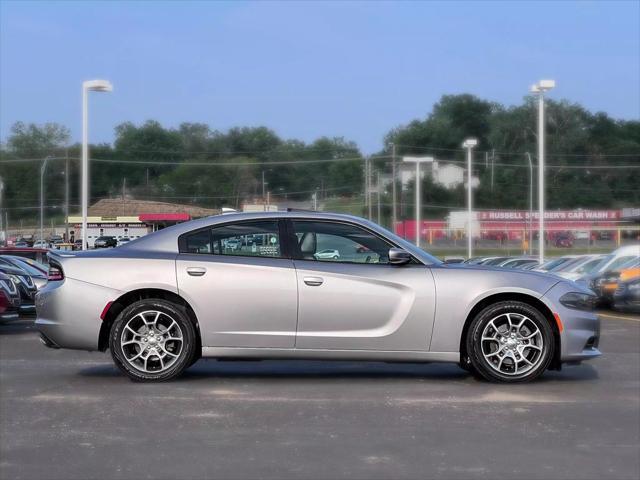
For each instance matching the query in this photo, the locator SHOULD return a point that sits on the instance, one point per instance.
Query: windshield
(553, 264)
(621, 262)
(591, 265)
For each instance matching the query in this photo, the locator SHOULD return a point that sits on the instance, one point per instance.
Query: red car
(563, 240)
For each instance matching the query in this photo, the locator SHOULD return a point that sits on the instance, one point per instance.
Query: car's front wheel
(152, 340)
(510, 342)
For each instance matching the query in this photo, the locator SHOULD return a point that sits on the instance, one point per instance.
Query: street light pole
(43, 167)
(394, 214)
(469, 143)
(530, 202)
(539, 89)
(418, 161)
(93, 86)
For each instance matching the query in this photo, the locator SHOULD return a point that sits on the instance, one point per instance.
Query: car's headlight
(633, 286)
(578, 301)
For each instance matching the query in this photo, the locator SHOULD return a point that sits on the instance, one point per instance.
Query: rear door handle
(196, 271)
(313, 281)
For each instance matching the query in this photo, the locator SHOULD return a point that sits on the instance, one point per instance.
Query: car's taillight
(55, 273)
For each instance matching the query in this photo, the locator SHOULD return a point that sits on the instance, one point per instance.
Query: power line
(461, 150)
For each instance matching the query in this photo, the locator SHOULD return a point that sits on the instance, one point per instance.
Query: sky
(306, 69)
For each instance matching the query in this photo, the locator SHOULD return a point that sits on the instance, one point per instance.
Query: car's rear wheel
(152, 340)
(510, 342)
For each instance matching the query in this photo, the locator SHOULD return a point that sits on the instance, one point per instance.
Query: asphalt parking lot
(70, 415)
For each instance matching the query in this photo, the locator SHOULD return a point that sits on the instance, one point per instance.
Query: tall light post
(88, 86)
(539, 89)
(418, 161)
(530, 201)
(43, 168)
(469, 143)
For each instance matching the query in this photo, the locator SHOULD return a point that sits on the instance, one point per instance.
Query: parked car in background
(123, 241)
(518, 262)
(476, 260)
(580, 266)
(77, 244)
(38, 275)
(9, 299)
(37, 254)
(41, 244)
(327, 254)
(554, 263)
(21, 244)
(563, 240)
(530, 266)
(626, 297)
(453, 259)
(493, 261)
(24, 284)
(605, 283)
(105, 242)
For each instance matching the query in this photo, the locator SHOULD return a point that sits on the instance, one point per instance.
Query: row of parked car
(613, 277)
(20, 279)
(57, 242)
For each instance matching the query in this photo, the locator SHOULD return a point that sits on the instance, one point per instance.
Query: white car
(41, 244)
(233, 244)
(328, 254)
(123, 241)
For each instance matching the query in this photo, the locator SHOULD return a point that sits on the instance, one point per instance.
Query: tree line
(196, 164)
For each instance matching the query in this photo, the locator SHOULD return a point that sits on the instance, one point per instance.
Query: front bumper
(68, 313)
(580, 335)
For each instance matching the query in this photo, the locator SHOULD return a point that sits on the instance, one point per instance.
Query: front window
(338, 242)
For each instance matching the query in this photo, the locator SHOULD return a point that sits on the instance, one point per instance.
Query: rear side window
(199, 242)
(247, 239)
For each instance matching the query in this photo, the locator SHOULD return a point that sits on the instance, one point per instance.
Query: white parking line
(620, 317)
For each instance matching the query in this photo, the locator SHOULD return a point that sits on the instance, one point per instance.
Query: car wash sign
(561, 215)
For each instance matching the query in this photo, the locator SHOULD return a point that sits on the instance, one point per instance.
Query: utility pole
(379, 192)
(66, 195)
(124, 187)
(42, 170)
(264, 205)
(469, 144)
(539, 89)
(370, 214)
(418, 161)
(394, 214)
(493, 159)
(530, 201)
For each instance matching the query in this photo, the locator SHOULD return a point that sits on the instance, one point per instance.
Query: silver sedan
(253, 286)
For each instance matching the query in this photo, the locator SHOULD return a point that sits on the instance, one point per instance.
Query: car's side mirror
(398, 256)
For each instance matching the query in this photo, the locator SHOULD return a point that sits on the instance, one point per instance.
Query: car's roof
(165, 240)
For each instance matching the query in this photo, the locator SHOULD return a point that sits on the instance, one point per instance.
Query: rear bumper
(68, 313)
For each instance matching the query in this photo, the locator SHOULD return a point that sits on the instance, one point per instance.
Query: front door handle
(313, 281)
(196, 271)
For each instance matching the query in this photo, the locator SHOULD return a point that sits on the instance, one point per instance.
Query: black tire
(487, 368)
(183, 359)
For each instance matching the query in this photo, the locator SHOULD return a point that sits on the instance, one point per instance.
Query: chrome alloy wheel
(512, 344)
(151, 341)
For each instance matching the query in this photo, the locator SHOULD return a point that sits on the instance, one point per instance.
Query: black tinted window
(254, 239)
(199, 242)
